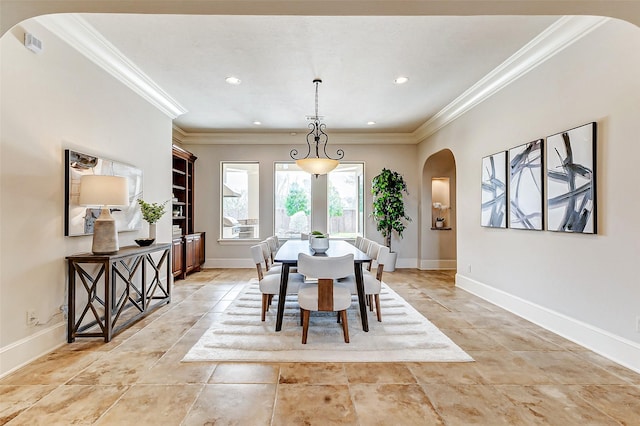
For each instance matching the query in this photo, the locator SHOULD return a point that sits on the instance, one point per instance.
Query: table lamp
(97, 190)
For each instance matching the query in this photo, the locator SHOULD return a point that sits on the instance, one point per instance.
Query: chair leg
(370, 301)
(270, 299)
(305, 325)
(301, 316)
(338, 319)
(345, 326)
(265, 306)
(377, 299)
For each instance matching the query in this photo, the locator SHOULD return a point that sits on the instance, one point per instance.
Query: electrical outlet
(32, 318)
(637, 324)
(469, 268)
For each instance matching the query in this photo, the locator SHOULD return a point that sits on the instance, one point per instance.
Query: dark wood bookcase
(188, 245)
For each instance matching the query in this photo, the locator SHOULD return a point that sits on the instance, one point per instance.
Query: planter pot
(390, 262)
(440, 224)
(318, 245)
(152, 231)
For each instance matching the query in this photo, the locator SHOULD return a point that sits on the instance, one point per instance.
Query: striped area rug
(404, 335)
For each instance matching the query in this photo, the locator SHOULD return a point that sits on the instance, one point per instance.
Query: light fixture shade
(98, 190)
(317, 166)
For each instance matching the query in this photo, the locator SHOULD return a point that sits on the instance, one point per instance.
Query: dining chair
(357, 241)
(326, 295)
(270, 284)
(270, 268)
(273, 247)
(372, 283)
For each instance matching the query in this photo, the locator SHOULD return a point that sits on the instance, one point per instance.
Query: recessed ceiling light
(233, 80)
(401, 80)
(371, 123)
(257, 123)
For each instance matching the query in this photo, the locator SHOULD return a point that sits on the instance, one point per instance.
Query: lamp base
(105, 234)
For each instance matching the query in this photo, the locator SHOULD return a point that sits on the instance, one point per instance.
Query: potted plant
(151, 213)
(318, 242)
(388, 209)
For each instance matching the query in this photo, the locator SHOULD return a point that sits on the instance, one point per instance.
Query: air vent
(32, 43)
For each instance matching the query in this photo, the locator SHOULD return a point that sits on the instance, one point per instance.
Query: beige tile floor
(522, 374)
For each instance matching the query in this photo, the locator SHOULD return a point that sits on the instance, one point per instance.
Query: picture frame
(79, 219)
(571, 180)
(494, 190)
(526, 186)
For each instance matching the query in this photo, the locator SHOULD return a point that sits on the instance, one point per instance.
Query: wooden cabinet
(183, 191)
(177, 257)
(188, 246)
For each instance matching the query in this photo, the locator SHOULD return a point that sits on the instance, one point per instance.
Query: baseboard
(438, 264)
(24, 351)
(615, 348)
(404, 262)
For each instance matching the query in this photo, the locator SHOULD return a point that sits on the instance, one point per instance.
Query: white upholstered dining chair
(270, 284)
(372, 280)
(327, 295)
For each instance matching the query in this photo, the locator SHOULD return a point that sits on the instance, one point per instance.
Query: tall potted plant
(388, 208)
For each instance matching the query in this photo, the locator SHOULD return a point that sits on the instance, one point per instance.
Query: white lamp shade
(317, 166)
(97, 190)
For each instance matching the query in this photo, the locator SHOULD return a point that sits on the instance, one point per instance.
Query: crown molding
(80, 35)
(559, 35)
(282, 138)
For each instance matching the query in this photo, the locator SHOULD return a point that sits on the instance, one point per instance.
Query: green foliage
(388, 205)
(296, 201)
(335, 202)
(316, 233)
(152, 212)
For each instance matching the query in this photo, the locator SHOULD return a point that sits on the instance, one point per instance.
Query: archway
(438, 212)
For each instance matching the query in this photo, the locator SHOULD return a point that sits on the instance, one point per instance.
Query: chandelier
(315, 138)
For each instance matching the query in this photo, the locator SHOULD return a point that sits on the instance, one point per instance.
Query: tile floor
(522, 375)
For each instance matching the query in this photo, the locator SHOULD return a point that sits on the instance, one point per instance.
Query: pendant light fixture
(315, 138)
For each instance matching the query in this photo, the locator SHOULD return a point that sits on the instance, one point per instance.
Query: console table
(118, 289)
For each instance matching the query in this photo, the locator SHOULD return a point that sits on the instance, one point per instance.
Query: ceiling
(277, 58)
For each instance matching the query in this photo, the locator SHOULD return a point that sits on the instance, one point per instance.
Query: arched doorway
(438, 212)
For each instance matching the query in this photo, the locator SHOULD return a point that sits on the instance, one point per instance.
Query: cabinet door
(177, 257)
(197, 251)
(190, 253)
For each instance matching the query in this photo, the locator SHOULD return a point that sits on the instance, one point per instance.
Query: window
(240, 200)
(345, 186)
(292, 200)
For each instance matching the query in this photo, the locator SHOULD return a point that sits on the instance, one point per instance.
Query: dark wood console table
(119, 289)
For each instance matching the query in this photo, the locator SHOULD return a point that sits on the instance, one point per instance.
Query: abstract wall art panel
(571, 180)
(525, 186)
(79, 219)
(494, 190)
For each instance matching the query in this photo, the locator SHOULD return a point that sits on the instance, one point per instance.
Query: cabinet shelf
(180, 172)
(179, 187)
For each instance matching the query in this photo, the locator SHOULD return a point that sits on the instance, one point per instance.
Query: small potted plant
(318, 242)
(440, 217)
(151, 213)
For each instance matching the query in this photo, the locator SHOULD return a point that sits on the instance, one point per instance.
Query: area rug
(404, 335)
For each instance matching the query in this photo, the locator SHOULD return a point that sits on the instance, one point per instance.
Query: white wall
(51, 101)
(236, 254)
(582, 286)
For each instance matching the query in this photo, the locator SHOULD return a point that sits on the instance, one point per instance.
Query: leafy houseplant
(151, 213)
(388, 205)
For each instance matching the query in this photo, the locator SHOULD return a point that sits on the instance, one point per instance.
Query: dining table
(287, 256)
